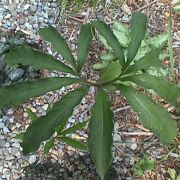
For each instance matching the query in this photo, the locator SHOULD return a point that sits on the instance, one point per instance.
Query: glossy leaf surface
(21, 92)
(151, 59)
(49, 144)
(84, 42)
(28, 56)
(74, 128)
(105, 31)
(111, 72)
(44, 127)
(100, 138)
(152, 115)
(169, 91)
(138, 30)
(74, 143)
(58, 42)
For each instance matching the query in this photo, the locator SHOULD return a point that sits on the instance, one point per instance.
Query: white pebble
(134, 146)
(32, 159)
(26, 6)
(6, 130)
(7, 16)
(1, 125)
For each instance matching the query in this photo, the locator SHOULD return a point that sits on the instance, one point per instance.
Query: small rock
(17, 145)
(16, 74)
(7, 16)
(40, 19)
(26, 6)
(2, 143)
(25, 164)
(2, 125)
(32, 159)
(35, 26)
(14, 150)
(117, 137)
(72, 120)
(45, 106)
(5, 130)
(9, 158)
(134, 146)
(11, 120)
(14, 13)
(33, 8)
(7, 144)
(53, 4)
(12, 7)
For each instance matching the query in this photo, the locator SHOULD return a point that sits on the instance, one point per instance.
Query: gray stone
(7, 16)
(53, 4)
(14, 13)
(35, 26)
(134, 146)
(2, 125)
(14, 150)
(32, 159)
(16, 74)
(2, 143)
(7, 144)
(26, 6)
(12, 7)
(5, 130)
(33, 8)
(40, 19)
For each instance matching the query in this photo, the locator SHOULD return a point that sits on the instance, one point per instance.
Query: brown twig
(146, 6)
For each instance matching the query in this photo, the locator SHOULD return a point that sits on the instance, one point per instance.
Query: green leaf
(100, 138)
(167, 90)
(49, 144)
(121, 27)
(148, 164)
(111, 72)
(151, 59)
(105, 31)
(61, 126)
(19, 136)
(74, 143)
(74, 128)
(122, 37)
(84, 42)
(36, 59)
(20, 92)
(108, 57)
(157, 41)
(31, 114)
(100, 65)
(44, 127)
(176, 8)
(58, 42)
(152, 115)
(138, 30)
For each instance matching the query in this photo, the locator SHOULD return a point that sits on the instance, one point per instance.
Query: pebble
(16, 74)
(5, 130)
(2, 143)
(26, 6)
(14, 150)
(32, 159)
(134, 146)
(33, 8)
(2, 125)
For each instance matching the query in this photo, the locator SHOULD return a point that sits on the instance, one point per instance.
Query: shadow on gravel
(73, 168)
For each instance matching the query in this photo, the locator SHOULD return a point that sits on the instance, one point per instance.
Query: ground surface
(132, 141)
